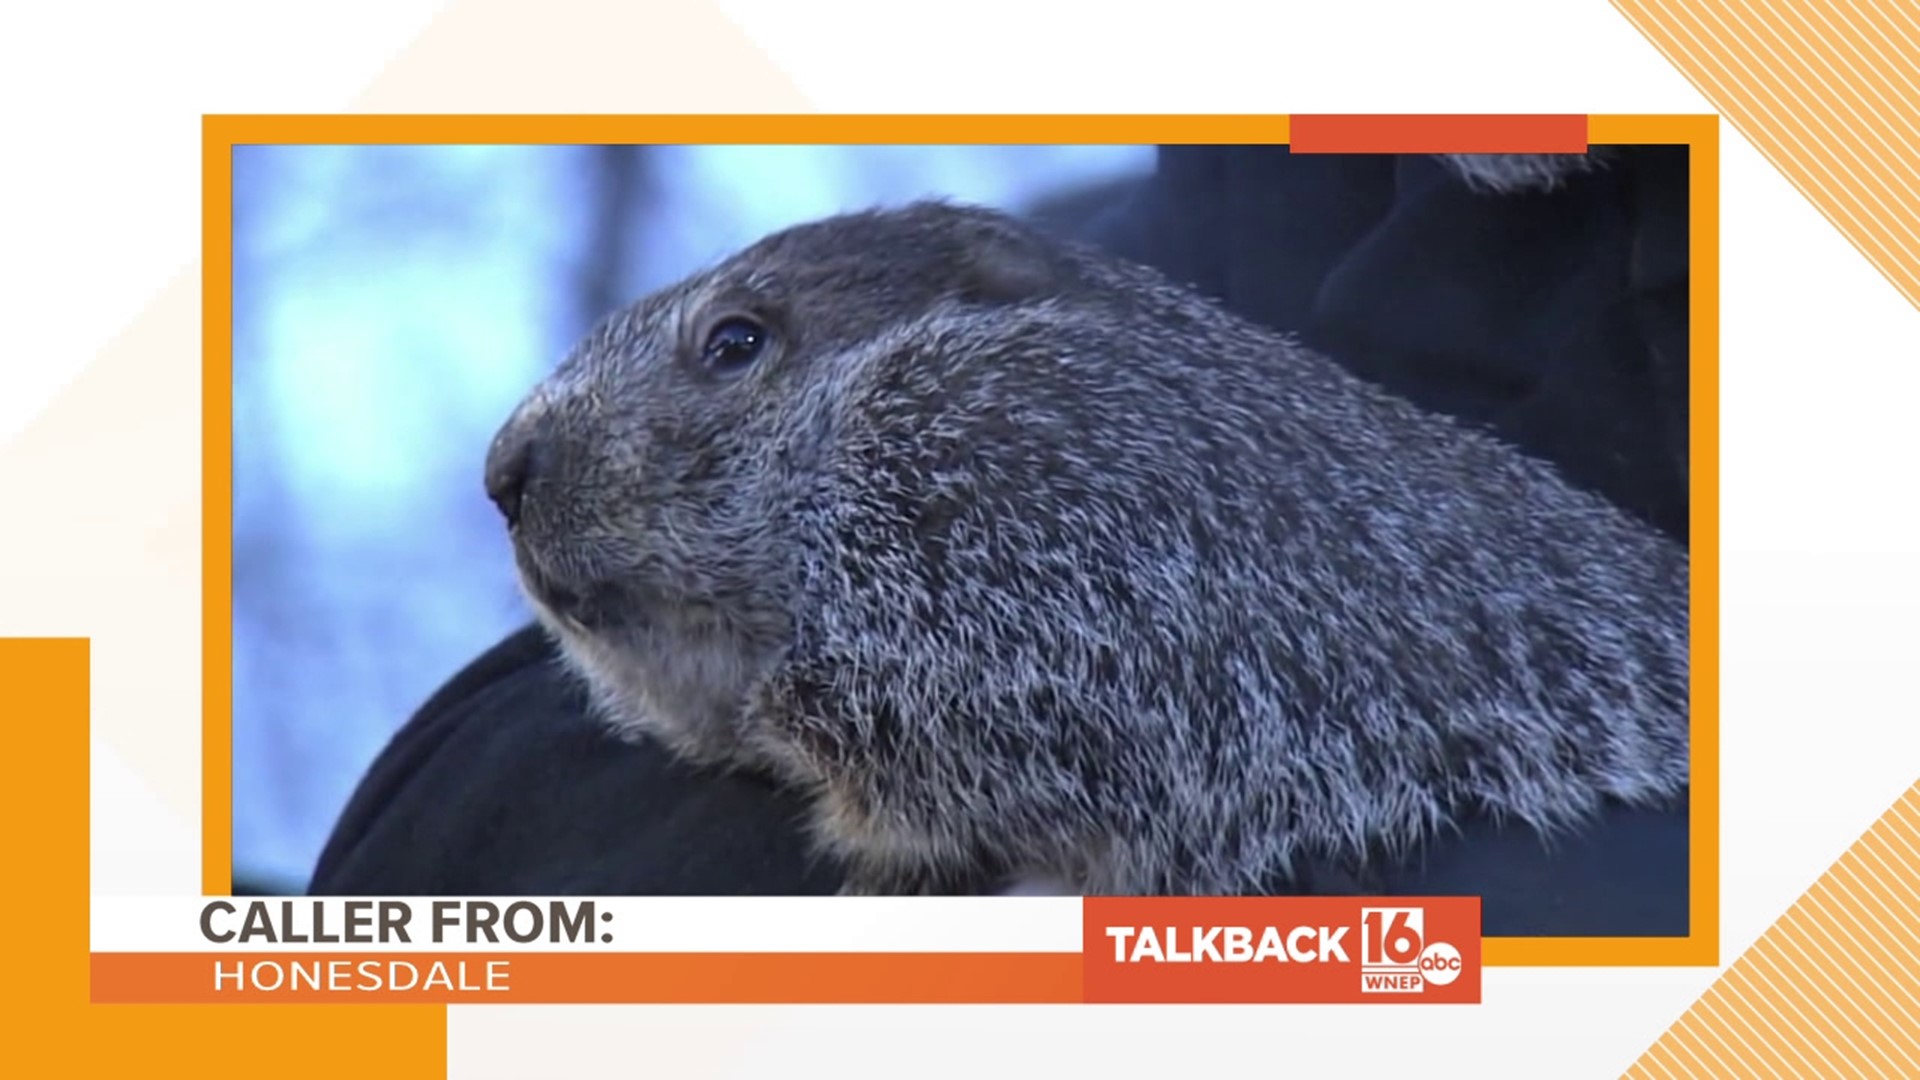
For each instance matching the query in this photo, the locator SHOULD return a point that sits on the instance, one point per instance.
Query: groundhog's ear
(1003, 264)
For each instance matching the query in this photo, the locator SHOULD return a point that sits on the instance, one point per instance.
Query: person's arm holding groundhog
(1076, 807)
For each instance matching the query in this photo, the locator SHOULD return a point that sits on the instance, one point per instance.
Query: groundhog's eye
(734, 343)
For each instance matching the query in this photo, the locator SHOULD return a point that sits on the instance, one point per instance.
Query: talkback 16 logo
(1396, 957)
(1303, 949)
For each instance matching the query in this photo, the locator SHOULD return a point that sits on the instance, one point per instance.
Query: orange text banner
(576, 978)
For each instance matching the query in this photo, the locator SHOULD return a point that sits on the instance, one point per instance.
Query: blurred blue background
(391, 305)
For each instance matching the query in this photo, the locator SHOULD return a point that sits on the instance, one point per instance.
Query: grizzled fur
(1512, 174)
(1024, 561)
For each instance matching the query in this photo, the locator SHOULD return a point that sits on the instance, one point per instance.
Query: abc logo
(1440, 963)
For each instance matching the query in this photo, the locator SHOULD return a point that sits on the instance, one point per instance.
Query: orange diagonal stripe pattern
(1829, 91)
(1830, 989)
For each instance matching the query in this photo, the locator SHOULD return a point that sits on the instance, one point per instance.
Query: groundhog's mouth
(582, 608)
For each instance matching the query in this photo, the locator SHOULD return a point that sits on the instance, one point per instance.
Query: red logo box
(1291, 950)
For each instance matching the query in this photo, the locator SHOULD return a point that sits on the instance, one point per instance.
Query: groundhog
(1026, 563)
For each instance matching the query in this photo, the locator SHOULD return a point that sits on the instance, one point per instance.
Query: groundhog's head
(650, 482)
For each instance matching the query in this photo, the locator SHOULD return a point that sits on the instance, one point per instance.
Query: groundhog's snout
(518, 453)
(523, 464)
(539, 443)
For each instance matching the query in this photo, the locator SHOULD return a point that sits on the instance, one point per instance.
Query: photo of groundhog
(1233, 522)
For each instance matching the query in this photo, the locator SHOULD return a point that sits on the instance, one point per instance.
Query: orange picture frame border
(1384, 134)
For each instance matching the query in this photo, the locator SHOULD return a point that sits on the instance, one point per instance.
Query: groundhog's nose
(515, 456)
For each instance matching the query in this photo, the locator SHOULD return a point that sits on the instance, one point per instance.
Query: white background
(750, 924)
(1820, 376)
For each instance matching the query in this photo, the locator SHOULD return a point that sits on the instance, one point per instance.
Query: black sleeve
(503, 785)
(1556, 320)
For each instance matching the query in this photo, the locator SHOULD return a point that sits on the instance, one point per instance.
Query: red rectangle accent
(1439, 134)
(1289, 950)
